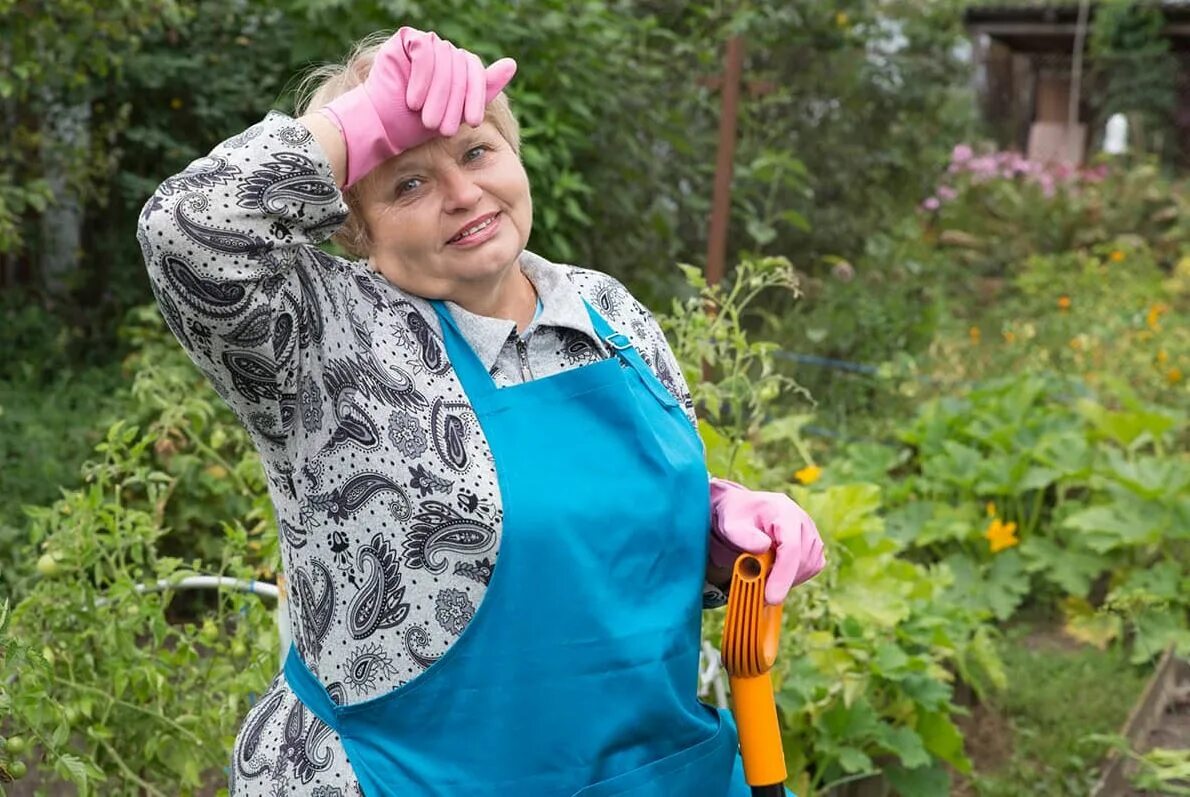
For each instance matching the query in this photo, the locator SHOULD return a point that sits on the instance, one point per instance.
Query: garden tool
(750, 635)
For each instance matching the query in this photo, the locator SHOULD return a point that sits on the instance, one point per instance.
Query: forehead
(441, 146)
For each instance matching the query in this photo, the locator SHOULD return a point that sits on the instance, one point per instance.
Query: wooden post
(721, 201)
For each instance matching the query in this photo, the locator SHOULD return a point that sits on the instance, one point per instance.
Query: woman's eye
(405, 186)
(476, 152)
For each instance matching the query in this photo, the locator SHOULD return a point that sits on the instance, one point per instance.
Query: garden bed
(1160, 719)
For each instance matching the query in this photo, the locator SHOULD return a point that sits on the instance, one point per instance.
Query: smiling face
(448, 219)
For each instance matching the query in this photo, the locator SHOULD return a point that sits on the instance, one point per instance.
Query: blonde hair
(329, 81)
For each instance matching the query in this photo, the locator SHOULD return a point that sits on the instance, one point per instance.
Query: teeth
(473, 230)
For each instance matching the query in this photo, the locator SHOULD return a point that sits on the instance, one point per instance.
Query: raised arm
(230, 244)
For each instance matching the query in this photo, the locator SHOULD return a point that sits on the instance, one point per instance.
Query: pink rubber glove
(752, 521)
(419, 87)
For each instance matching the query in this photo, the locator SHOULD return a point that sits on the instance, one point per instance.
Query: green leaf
(1007, 584)
(1125, 427)
(762, 233)
(931, 781)
(1149, 477)
(1124, 522)
(870, 591)
(1037, 478)
(927, 692)
(937, 522)
(844, 511)
(905, 743)
(890, 661)
(852, 759)
(943, 739)
(850, 723)
(795, 219)
(1071, 569)
(78, 770)
(1156, 629)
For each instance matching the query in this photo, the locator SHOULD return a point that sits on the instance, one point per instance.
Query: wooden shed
(1024, 57)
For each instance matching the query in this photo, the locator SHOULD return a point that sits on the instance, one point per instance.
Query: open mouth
(475, 231)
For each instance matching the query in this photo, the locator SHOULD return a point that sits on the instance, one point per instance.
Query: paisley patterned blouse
(384, 487)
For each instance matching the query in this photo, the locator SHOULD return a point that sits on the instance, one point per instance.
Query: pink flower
(843, 271)
(946, 193)
(961, 154)
(932, 203)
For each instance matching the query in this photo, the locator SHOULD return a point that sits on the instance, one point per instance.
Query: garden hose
(750, 635)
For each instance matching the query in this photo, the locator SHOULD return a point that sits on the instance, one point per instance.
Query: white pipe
(262, 588)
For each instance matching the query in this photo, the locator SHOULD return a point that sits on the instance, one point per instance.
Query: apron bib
(577, 675)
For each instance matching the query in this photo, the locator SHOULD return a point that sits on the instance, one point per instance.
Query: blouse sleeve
(231, 248)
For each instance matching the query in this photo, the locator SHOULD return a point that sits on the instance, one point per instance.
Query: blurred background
(945, 308)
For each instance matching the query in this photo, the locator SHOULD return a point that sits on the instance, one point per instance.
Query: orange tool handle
(750, 636)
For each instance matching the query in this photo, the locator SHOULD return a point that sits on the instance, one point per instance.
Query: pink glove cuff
(367, 143)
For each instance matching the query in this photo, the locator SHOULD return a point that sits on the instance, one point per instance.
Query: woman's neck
(514, 298)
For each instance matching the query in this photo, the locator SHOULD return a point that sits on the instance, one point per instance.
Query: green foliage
(56, 397)
(733, 379)
(616, 99)
(868, 95)
(1137, 73)
(1090, 492)
(60, 55)
(119, 691)
(1057, 742)
(867, 660)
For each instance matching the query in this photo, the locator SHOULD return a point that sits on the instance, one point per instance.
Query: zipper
(523, 351)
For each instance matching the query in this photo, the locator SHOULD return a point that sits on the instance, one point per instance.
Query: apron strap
(622, 347)
(476, 381)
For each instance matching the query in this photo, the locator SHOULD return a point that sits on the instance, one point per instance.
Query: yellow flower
(1076, 344)
(1153, 319)
(1162, 357)
(1173, 375)
(991, 508)
(1063, 303)
(974, 334)
(1117, 256)
(175, 103)
(1001, 535)
(808, 474)
(841, 19)
(1009, 336)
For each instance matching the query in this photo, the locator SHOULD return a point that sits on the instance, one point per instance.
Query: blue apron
(577, 675)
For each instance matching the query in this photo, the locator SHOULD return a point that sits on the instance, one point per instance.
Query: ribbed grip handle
(751, 633)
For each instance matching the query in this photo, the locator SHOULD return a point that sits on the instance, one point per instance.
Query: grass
(1033, 738)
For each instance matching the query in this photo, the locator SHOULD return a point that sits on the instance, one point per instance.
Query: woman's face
(449, 218)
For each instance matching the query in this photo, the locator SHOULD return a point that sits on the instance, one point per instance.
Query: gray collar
(562, 306)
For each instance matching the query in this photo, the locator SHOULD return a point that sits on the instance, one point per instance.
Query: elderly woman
(491, 496)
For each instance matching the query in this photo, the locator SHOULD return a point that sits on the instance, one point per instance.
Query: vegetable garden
(969, 368)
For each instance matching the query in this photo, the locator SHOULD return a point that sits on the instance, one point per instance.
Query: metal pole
(721, 202)
(1076, 76)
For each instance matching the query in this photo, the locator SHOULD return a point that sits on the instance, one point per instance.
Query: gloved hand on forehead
(419, 87)
(753, 521)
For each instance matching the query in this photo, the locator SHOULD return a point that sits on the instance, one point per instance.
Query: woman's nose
(460, 189)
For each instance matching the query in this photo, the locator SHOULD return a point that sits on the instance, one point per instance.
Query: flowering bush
(966, 165)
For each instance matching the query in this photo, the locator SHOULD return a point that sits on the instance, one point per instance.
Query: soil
(1051, 639)
(987, 739)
